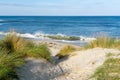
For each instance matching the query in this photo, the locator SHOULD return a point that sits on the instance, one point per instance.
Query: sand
(78, 67)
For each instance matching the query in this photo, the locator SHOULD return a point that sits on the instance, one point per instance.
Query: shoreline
(56, 60)
(54, 46)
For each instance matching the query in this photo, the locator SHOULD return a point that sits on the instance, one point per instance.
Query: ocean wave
(26, 35)
(10, 21)
(1, 20)
(56, 37)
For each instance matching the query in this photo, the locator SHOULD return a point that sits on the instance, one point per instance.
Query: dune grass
(65, 51)
(8, 65)
(39, 51)
(110, 70)
(13, 43)
(13, 50)
(104, 42)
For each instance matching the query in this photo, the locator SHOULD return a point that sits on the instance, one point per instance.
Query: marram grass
(104, 42)
(13, 50)
(8, 65)
(65, 51)
(13, 43)
(110, 70)
(39, 51)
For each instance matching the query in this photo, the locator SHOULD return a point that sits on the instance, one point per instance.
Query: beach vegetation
(13, 50)
(110, 70)
(39, 51)
(66, 51)
(13, 43)
(8, 65)
(104, 42)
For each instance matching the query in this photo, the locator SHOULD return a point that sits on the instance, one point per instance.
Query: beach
(59, 39)
(59, 48)
(79, 66)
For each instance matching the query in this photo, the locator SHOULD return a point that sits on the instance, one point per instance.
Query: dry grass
(13, 43)
(104, 42)
(65, 51)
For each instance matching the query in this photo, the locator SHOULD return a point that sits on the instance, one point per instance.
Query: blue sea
(86, 26)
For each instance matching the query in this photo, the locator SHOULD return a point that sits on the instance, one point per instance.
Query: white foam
(59, 34)
(3, 33)
(67, 41)
(27, 35)
(82, 38)
(40, 35)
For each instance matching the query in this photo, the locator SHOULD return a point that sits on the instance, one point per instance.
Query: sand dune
(78, 67)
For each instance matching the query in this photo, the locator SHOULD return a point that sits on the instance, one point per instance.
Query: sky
(60, 7)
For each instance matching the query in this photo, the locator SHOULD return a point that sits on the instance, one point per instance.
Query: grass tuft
(65, 51)
(39, 51)
(8, 65)
(13, 50)
(110, 70)
(104, 42)
(13, 43)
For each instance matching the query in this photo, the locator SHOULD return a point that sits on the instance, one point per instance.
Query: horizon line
(60, 15)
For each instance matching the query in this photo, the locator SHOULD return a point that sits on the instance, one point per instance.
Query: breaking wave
(40, 35)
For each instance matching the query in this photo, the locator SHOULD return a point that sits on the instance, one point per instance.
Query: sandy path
(78, 67)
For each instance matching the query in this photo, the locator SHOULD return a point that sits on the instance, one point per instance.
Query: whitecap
(60, 34)
(82, 38)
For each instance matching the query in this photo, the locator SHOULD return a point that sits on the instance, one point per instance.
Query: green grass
(8, 65)
(104, 42)
(65, 51)
(110, 55)
(40, 51)
(13, 50)
(71, 38)
(110, 70)
(13, 43)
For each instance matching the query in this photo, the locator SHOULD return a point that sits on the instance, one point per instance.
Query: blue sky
(60, 7)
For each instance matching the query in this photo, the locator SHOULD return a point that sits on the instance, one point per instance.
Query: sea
(87, 27)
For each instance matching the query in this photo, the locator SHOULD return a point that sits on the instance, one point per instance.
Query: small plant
(65, 51)
(110, 55)
(39, 51)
